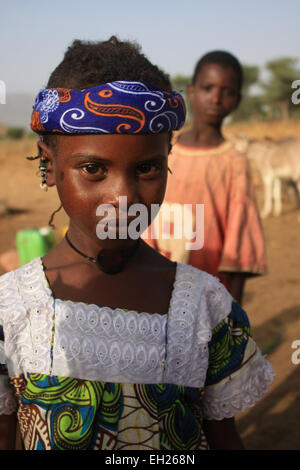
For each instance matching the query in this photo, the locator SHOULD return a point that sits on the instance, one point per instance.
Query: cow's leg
(277, 196)
(268, 187)
(297, 186)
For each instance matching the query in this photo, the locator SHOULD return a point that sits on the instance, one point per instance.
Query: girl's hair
(87, 64)
(223, 58)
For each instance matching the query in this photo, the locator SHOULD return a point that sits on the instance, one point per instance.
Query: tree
(250, 78)
(15, 133)
(251, 104)
(282, 72)
(180, 84)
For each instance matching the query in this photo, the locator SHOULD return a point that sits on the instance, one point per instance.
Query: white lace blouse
(49, 336)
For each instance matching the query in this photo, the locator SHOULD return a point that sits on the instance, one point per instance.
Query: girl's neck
(145, 284)
(203, 135)
(92, 245)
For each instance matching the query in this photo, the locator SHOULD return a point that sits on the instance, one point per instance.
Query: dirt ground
(272, 301)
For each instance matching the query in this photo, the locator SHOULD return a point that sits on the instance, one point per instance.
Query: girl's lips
(120, 228)
(213, 111)
(114, 227)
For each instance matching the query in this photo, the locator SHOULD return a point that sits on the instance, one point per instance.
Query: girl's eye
(149, 169)
(229, 92)
(94, 169)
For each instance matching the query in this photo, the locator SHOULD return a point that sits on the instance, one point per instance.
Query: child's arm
(8, 432)
(236, 283)
(243, 247)
(222, 435)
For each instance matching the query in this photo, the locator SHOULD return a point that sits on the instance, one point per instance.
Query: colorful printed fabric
(83, 376)
(228, 345)
(62, 413)
(66, 413)
(122, 107)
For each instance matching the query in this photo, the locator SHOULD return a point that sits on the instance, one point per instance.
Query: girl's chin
(213, 119)
(116, 243)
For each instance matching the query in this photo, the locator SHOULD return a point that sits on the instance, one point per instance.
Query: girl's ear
(46, 154)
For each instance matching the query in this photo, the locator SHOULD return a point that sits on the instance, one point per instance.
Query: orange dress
(220, 179)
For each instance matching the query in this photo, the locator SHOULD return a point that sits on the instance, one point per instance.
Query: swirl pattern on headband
(122, 107)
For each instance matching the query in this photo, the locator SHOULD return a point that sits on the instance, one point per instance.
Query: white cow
(277, 162)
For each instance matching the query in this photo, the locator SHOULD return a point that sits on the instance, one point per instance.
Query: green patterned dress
(89, 377)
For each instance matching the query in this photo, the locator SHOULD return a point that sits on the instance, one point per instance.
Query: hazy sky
(174, 34)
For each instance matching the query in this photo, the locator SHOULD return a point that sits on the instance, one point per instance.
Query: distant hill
(17, 110)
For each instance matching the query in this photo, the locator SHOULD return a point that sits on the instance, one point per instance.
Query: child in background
(207, 169)
(105, 343)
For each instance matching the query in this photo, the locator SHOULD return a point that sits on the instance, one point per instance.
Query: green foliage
(180, 84)
(251, 105)
(251, 75)
(282, 72)
(251, 108)
(15, 133)
(277, 89)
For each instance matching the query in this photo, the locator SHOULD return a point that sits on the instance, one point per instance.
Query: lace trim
(106, 344)
(113, 345)
(240, 391)
(199, 303)
(26, 311)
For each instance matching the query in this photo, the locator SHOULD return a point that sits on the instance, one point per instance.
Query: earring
(43, 170)
(50, 223)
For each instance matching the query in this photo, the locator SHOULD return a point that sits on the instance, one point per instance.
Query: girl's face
(215, 93)
(90, 170)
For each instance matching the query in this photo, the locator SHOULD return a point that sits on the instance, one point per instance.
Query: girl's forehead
(113, 145)
(215, 72)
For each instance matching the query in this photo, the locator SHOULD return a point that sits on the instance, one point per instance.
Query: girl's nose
(119, 190)
(216, 96)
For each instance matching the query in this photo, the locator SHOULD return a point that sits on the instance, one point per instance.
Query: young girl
(207, 169)
(107, 344)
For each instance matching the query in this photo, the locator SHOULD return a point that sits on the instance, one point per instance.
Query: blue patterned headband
(112, 108)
